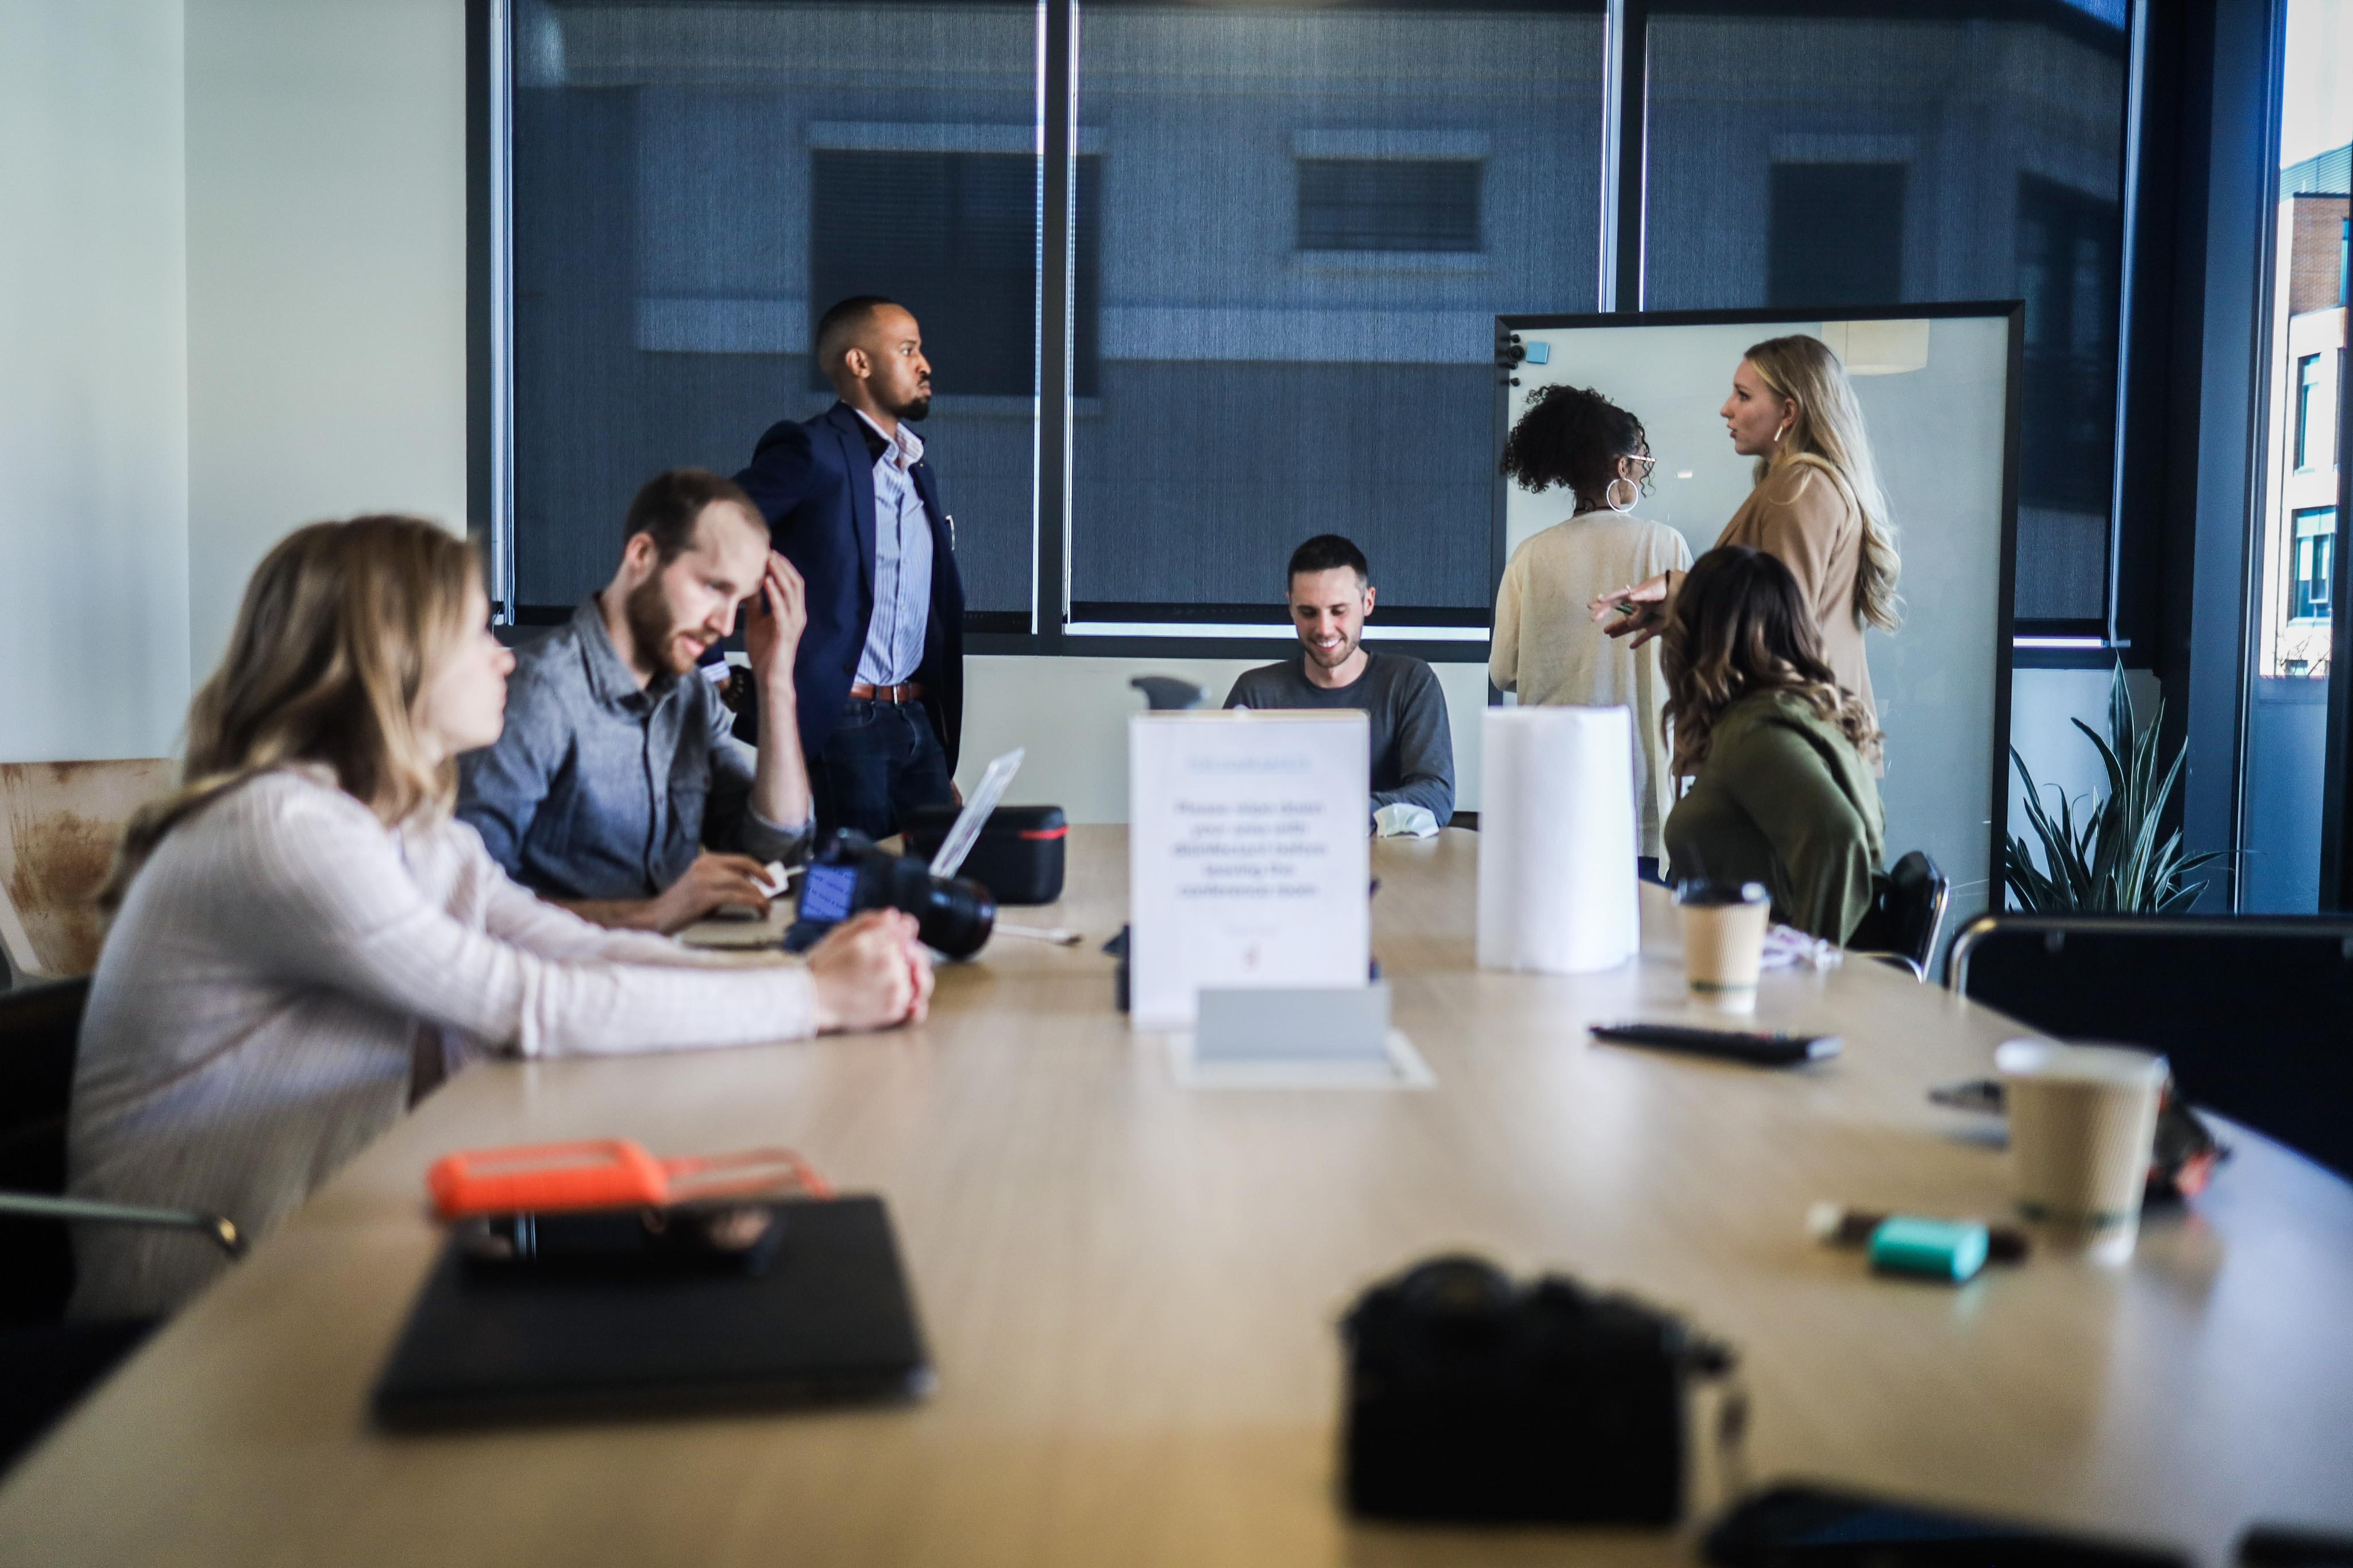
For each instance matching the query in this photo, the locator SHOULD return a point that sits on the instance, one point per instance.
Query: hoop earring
(1610, 494)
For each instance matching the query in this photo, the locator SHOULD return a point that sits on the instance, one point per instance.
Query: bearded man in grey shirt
(1331, 592)
(616, 788)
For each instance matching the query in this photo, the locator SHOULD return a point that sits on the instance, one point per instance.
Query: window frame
(1048, 627)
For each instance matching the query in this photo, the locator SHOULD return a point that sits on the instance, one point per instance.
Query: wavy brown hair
(1740, 627)
(341, 627)
(1828, 434)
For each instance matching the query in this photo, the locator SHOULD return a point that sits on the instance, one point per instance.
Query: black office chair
(1907, 911)
(46, 1362)
(2255, 1015)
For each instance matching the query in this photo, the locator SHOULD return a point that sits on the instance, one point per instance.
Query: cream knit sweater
(1547, 648)
(282, 966)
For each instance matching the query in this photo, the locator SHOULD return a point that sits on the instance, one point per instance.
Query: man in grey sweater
(1331, 595)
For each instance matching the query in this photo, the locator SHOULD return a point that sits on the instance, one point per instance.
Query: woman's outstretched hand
(1638, 611)
(871, 973)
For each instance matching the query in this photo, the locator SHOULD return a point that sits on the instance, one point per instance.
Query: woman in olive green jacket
(1783, 754)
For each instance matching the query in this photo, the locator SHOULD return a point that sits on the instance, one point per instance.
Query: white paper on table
(1248, 861)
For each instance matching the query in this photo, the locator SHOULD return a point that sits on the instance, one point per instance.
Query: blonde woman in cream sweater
(1545, 647)
(304, 939)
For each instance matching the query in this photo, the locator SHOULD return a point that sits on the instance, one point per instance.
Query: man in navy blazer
(850, 502)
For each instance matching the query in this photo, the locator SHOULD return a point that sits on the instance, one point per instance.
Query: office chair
(2255, 1015)
(1907, 911)
(47, 1362)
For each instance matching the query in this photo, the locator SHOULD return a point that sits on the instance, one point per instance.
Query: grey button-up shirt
(903, 564)
(600, 789)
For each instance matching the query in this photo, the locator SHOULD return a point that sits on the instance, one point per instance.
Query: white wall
(1070, 715)
(93, 381)
(326, 276)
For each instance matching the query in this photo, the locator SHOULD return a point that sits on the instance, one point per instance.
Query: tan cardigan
(1804, 516)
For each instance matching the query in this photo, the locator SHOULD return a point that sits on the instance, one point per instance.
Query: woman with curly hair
(1783, 754)
(1544, 649)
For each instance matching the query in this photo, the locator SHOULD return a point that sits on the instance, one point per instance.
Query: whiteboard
(1936, 396)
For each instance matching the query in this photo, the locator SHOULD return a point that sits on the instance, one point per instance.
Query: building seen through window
(2299, 516)
(2289, 649)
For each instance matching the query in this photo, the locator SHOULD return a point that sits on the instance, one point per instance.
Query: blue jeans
(882, 761)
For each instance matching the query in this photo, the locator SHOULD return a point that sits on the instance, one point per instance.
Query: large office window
(1290, 229)
(1879, 153)
(693, 184)
(1309, 217)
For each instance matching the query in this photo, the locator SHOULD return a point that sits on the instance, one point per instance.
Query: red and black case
(1017, 857)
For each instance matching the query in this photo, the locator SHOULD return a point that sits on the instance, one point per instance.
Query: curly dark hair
(1573, 437)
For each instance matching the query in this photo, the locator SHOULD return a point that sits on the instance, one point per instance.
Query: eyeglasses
(1647, 461)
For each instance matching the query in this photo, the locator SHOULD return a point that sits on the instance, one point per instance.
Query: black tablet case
(830, 1319)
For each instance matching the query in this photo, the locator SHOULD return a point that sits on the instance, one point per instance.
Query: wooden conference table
(1130, 1291)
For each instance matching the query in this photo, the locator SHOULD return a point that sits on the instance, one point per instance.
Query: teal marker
(1933, 1249)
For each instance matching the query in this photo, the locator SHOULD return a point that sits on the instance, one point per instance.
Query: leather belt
(905, 691)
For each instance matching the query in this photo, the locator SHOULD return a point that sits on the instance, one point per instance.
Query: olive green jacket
(1783, 799)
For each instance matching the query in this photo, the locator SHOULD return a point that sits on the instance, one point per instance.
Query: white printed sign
(1248, 863)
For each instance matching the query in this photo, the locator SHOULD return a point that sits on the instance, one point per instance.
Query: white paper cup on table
(1556, 840)
(2082, 1121)
(1723, 940)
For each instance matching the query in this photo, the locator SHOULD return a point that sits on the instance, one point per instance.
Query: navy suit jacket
(815, 484)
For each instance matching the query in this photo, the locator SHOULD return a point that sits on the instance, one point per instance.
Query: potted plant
(2113, 861)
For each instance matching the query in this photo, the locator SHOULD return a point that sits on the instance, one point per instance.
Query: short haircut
(841, 323)
(667, 510)
(1324, 552)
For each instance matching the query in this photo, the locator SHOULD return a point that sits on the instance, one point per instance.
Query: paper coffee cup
(1723, 940)
(2082, 1120)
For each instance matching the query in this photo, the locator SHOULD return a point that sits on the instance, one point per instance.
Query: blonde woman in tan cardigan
(1817, 507)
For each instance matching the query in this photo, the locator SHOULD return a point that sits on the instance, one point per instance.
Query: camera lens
(953, 917)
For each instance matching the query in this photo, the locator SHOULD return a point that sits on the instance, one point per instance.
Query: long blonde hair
(342, 625)
(1828, 434)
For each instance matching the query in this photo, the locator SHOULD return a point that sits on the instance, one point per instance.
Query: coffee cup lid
(1706, 894)
(2121, 1066)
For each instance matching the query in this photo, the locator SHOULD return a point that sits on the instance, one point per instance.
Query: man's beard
(1332, 659)
(651, 628)
(914, 409)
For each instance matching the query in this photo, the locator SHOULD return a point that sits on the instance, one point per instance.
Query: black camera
(1473, 1398)
(849, 874)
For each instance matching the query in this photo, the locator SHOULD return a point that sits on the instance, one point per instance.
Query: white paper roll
(1556, 840)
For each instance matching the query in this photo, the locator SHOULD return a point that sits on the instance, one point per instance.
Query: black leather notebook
(829, 1318)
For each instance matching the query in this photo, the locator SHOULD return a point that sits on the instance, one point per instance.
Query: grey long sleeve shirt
(601, 789)
(1413, 749)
